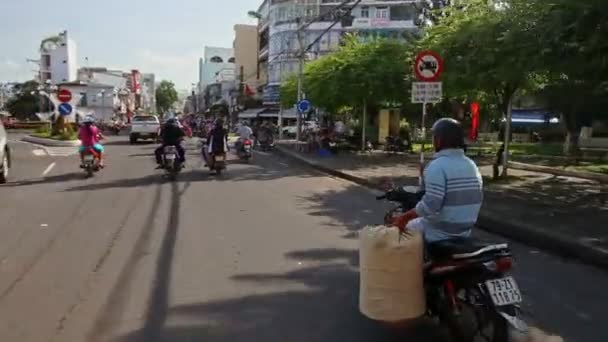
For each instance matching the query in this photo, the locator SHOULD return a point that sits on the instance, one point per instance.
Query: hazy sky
(165, 37)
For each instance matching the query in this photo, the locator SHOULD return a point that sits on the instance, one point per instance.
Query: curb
(598, 177)
(555, 243)
(51, 142)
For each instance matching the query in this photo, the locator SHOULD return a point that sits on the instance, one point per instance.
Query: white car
(144, 127)
(5, 156)
(306, 126)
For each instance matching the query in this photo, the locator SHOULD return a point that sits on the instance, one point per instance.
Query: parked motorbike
(244, 149)
(467, 282)
(91, 162)
(396, 144)
(171, 162)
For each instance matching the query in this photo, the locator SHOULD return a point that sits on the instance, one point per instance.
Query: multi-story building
(58, 61)
(216, 65)
(280, 31)
(246, 58)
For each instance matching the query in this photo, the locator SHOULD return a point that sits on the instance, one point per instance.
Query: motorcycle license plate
(89, 158)
(504, 291)
(170, 156)
(170, 149)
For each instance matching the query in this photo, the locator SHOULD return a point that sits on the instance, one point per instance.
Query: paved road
(265, 253)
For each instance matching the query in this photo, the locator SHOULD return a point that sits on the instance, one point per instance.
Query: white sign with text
(427, 92)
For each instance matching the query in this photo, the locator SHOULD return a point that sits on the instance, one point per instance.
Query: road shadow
(326, 311)
(66, 177)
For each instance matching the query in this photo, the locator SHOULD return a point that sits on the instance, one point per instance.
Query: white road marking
(284, 164)
(39, 152)
(48, 169)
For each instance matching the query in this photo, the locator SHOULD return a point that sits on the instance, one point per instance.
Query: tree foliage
(373, 71)
(166, 96)
(24, 105)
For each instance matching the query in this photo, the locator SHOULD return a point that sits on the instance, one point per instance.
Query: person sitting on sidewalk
(453, 189)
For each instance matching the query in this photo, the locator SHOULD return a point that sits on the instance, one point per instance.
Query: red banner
(474, 121)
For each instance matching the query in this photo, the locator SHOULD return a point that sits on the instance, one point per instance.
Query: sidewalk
(563, 214)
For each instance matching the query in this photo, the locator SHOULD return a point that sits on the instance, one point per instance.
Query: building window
(216, 59)
(365, 12)
(382, 12)
(231, 60)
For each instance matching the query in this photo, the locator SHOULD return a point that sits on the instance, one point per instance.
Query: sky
(165, 37)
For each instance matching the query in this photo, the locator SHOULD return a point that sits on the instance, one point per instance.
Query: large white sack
(391, 278)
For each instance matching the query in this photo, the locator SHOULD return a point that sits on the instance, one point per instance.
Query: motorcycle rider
(89, 136)
(453, 189)
(245, 133)
(171, 135)
(217, 142)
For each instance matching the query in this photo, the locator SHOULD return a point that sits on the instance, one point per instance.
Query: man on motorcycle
(453, 189)
(171, 135)
(90, 136)
(245, 133)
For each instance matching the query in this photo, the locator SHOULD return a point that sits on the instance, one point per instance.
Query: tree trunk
(507, 103)
(571, 147)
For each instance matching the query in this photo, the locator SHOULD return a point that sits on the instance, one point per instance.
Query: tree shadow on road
(66, 177)
(326, 310)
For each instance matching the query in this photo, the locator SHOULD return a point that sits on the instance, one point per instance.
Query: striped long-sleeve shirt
(453, 196)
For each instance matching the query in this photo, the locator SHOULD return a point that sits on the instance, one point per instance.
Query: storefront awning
(250, 113)
(274, 113)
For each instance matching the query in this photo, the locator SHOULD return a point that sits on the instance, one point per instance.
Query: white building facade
(217, 65)
(58, 59)
(280, 20)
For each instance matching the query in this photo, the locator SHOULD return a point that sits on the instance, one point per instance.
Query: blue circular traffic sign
(304, 106)
(65, 109)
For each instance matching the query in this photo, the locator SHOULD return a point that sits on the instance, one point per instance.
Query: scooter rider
(453, 189)
(245, 133)
(90, 136)
(171, 135)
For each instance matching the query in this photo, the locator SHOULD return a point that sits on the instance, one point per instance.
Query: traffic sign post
(65, 109)
(428, 67)
(64, 95)
(304, 106)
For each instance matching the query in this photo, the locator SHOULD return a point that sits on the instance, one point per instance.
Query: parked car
(5, 155)
(144, 127)
(291, 130)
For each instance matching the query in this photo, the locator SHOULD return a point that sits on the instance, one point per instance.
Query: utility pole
(300, 76)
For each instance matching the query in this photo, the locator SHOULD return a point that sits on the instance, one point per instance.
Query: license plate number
(88, 158)
(504, 291)
(170, 156)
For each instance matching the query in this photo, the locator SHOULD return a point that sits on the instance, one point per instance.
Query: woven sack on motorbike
(537, 335)
(391, 276)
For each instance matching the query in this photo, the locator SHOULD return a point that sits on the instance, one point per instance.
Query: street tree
(25, 103)
(166, 96)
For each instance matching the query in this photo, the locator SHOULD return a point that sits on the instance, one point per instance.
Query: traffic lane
(57, 240)
(27, 161)
(232, 258)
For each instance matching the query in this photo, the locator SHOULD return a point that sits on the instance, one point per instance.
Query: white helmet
(89, 119)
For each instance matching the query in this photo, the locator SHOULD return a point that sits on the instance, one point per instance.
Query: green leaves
(166, 96)
(374, 70)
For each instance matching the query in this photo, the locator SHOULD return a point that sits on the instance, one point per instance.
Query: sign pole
(423, 134)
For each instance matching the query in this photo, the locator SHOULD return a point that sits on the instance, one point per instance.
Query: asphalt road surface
(267, 252)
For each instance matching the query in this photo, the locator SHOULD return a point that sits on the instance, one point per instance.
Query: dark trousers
(180, 152)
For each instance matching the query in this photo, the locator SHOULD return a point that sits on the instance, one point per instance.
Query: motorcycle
(266, 144)
(467, 283)
(91, 162)
(218, 163)
(243, 149)
(171, 162)
(396, 144)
